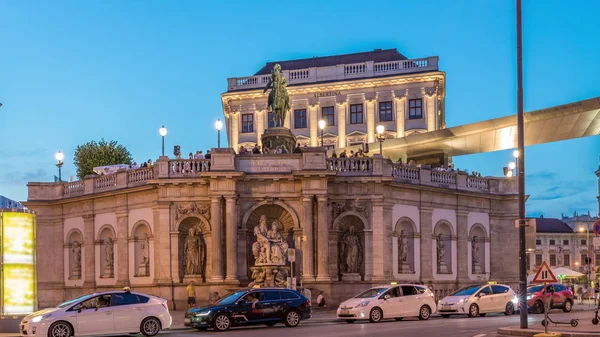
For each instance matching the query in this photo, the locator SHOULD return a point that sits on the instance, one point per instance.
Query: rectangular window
(584, 259)
(385, 111)
(565, 242)
(300, 118)
(538, 242)
(597, 259)
(271, 120)
(583, 242)
(327, 113)
(415, 108)
(247, 123)
(538, 259)
(552, 260)
(567, 260)
(552, 242)
(356, 113)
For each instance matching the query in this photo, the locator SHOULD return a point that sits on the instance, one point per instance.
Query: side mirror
(387, 297)
(481, 294)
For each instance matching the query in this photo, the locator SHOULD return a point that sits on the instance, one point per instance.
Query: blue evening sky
(74, 71)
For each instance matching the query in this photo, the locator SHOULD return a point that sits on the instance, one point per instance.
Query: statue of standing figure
(475, 250)
(77, 255)
(351, 252)
(279, 100)
(194, 253)
(109, 249)
(261, 249)
(403, 247)
(441, 250)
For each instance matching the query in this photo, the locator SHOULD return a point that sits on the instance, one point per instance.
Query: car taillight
(307, 303)
(164, 304)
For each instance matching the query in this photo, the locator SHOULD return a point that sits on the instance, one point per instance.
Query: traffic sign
(597, 227)
(544, 274)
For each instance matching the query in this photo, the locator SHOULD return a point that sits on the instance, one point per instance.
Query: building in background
(353, 93)
(9, 203)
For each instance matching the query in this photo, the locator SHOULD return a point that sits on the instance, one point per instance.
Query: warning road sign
(597, 227)
(544, 274)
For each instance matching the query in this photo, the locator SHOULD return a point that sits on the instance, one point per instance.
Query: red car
(562, 297)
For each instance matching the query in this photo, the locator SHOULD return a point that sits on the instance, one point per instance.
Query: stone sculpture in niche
(194, 253)
(351, 253)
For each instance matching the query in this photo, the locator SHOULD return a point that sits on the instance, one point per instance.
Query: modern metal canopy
(569, 121)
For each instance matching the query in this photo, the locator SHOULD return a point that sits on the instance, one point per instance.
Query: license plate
(344, 312)
(187, 320)
(446, 308)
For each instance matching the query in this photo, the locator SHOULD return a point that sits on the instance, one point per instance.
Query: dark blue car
(267, 306)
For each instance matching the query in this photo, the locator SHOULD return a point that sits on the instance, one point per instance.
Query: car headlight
(203, 313)
(529, 297)
(362, 304)
(39, 318)
(462, 300)
(515, 300)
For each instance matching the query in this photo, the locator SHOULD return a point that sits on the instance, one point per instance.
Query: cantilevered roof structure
(569, 121)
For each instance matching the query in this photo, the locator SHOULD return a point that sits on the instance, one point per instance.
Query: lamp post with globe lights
(163, 132)
(322, 125)
(380, 137)
(218, 126)
(59, 157)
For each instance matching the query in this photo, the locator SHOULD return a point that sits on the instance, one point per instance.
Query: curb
(533, 332)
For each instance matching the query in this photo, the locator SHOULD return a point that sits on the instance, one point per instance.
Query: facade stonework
(155, 229)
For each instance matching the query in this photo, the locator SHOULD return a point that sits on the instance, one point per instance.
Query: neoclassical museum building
(237, 220)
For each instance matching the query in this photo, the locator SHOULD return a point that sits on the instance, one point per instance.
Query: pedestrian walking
(321, 300)
(191, 290)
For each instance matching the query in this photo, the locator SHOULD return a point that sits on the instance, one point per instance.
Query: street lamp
(380, 137)
(322, 127)
(163, 132)
(218, 126)
(59, 157)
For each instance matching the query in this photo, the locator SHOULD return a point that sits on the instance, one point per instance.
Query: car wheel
(270, 323)
(375, 315)
(222, 322)
(292, 319)
(398, 318)
(60, 329)
(473, 310)
(510, 309)
(568, 306)
(538, 307)
(445, 316)
(424, 313)
(150, 326)
(350, 321)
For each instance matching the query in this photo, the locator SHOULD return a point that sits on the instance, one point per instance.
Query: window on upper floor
(356, 113)
(552, 242)
(247, 123)
(552, 260)
(415, 108)
(567, 260)
(565, 242)
(300, 119)
(583, 242)
(538, 259)
(327, 113)
(538, 242)
(385, 111)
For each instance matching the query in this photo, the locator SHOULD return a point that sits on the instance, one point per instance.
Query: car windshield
(73, 301)
(231, 298)
(466, 291)
(371, 293)
(535, 289)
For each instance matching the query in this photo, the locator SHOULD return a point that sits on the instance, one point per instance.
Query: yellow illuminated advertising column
(17, 275)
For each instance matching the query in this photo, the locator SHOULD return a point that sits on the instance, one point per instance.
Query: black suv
(267, 306)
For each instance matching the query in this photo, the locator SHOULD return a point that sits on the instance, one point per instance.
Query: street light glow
(322, 124)
(581, 229)
(380, 128)
(509, 174)
(59, 156)
(162, 131)
(512, 165)
(218, 125)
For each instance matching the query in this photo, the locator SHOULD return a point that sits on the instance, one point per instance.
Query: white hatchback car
(391, 301)
(99, 314)
(478, 300)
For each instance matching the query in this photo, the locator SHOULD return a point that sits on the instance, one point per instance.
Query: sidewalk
(584, 328)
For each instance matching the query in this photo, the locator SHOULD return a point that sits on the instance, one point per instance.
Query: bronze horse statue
(279, 101)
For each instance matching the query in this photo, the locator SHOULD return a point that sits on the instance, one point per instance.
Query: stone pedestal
(196, 278)
(404, 268)
(269, 275)
(108, 272)
(274, 137)
(443, 268)
(76, 274)
(144, 269)
(477, 268)
(352, 277)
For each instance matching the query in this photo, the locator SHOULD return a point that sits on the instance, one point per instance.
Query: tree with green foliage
(93, 154)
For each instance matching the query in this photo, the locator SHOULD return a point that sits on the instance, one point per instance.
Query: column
(313, 116)
(462, 251)
(231, 240)
(370, 105)
(426, 244)
(400, 115)
(323, 241)
(431, 115)
(122, 248)
(308, 253)
(260, 126)
(368, 255)
(340, 108)
(89, 278)
(377, 241)
(160, 266)
(235, 130)
(216, 232)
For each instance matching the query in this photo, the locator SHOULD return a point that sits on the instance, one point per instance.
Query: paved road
(436, 326)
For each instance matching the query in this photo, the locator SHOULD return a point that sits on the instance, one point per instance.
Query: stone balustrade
(339, 72)
(225, 160)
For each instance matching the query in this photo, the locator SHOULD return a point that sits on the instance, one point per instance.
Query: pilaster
(322, 237)
(122, 248)
(340, 112)
(426, 243)
(231, 241)
(400, 112)
(313, 115)
(89, 251)
(378, 239)
(370, 105)
(235, 129)
(260, 125)
(462, 245)
(162, 254)
(217, 248)
(308, 253)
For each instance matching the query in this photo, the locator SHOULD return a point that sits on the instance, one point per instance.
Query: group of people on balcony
(147, 164)
(257, 149)
(196, 156)
(358, 154)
